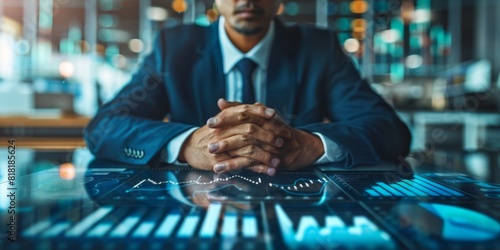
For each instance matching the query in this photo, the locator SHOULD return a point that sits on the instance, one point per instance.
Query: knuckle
(245, 108)
(250, 150)
(250, 128)
(247, 140)
(242, 117)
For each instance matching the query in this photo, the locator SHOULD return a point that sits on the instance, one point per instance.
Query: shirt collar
(232, 55)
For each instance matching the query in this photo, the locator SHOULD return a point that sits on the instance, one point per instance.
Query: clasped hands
(249, 136)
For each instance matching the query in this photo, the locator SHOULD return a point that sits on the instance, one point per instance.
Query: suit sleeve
(130, 128)
(362, 122)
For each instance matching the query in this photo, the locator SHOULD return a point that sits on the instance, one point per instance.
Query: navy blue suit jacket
(309, 79)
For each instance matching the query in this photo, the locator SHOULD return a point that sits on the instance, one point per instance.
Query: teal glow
(414, 42)
(343, 36)
(202, 20)
(105, 35)
(423, 4)
(75, 33)
(109, 5)
(45, 14)
(111, 51)
(108, 21)
(397, 72)
(397, 24)
(66, 46)
(343, 24)
(291, 8)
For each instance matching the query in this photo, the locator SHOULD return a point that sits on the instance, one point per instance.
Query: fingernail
(271, 171)
(212, 121)
(269, 112)
(213, 147)
(279, 142)
(219, 167)
(275, 162)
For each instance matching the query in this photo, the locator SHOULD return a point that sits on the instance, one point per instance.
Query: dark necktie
(246, 67)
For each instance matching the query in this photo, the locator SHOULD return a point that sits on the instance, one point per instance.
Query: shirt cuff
(333, 152)
(174, 146)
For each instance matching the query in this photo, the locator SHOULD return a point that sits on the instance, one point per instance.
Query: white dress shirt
(234, 88)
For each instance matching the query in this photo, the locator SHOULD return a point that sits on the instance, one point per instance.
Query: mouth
(247, 13)
(248, 10)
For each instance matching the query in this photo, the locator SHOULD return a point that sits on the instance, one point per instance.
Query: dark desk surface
(89, 204)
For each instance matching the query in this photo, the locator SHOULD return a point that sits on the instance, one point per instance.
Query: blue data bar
(125, 226)
(422, 188)
(433, 188)
(37, 228)
(144, 229)
(449, 190)
(412, 189)
(230, 225)
(100, 230)
(168, 225)
(209, 226)
(249, 227)
(56, 229)
(88, 222)
(146, 226)
(402, 189)
(390, 189)
(372, 192)
(382, 191)
(188, 226)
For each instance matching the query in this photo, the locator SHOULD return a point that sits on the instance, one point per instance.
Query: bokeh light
(281, 9)
(66, 69)
(67, 171)
(157, 14)
(136, 45)
(358, 6)
(291, 8)
(351, 45)
(390, 36)
(179, 5)
(413, 61)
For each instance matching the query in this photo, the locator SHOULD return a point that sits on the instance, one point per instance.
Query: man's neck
(244, 42)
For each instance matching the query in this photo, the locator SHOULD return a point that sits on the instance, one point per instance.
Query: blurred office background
(437, 62)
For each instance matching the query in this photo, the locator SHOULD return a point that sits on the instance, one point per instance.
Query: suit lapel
(281, 78)
(208, 76)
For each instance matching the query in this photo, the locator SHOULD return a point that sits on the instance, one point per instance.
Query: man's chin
(248, 30)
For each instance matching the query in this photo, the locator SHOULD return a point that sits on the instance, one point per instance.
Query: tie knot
(246, 67)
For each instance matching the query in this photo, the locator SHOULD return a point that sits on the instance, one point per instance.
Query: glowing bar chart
(230, 225)
(210, 223)
(127, 224)
(56, 229)
(335, 231)
(417, 187)
(106, 224)
(100, 230)
(90, 220)
(188, 226)
(168, 225)
(146, 226)
(249, 229)
(37, 228)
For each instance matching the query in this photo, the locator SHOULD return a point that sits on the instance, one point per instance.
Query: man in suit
(247, 92)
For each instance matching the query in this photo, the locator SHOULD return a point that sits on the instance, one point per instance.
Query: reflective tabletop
(68, 200)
